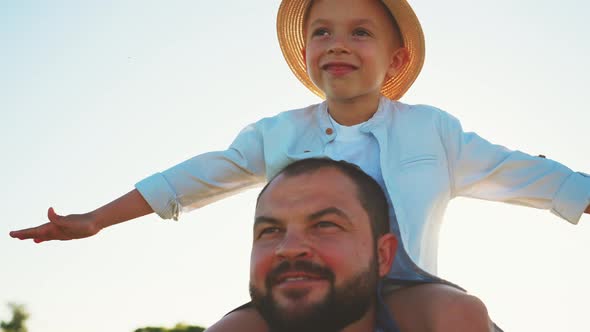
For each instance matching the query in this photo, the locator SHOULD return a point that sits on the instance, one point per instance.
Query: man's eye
(269, 231)
(320, 32)
(325, 224)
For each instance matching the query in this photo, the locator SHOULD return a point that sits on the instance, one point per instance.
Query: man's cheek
(260, 266)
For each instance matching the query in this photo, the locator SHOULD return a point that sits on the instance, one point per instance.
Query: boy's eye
(361, 32)
(320, 32)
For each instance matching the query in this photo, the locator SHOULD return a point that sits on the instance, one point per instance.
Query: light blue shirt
(426, 160)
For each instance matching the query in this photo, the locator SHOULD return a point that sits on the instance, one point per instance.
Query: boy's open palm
(73, 226)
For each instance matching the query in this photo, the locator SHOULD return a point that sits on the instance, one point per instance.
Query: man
(321, 244)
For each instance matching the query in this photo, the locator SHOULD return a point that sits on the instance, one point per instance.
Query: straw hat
(290, 34)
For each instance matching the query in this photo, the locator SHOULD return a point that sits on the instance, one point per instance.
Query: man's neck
(368, 323)
(349, 112)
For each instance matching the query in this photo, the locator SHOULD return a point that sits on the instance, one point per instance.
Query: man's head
(321, 243)
(352, 47)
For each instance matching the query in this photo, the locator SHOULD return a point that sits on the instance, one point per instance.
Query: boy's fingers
(22, 234)
(55, 218)
(52, 216)
(39, 232)
(29, 233)
(15, 234)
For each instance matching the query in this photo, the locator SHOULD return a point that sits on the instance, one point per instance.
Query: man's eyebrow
(265, 220)
(327, 211)
(316, 215)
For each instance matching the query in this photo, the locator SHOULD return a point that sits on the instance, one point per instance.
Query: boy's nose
(337, 50)
(338, 46)
(293, 246)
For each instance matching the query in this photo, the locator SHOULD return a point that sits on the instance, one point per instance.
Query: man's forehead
(325, 185)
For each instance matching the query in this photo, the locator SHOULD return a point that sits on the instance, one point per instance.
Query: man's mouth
(298, 274)
(298, 282)
(296, 277)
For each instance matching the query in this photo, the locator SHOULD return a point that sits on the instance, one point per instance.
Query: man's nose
(293, 245)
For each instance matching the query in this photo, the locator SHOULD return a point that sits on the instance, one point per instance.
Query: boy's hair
(368, 192)
(397, 35)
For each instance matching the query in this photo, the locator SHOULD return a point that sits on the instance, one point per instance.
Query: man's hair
(396, 33)
(368, 191)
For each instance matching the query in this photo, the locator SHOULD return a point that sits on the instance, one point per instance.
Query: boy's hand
(73, 226)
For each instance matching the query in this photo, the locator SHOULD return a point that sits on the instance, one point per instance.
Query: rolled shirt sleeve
(480, 169)
(573, 197)
(159, 195)
(206, 178)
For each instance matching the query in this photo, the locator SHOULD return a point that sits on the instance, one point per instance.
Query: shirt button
(329, 131)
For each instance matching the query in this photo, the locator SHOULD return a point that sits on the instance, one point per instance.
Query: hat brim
(292, 41)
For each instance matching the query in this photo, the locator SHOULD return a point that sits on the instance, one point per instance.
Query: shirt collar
(328, 132)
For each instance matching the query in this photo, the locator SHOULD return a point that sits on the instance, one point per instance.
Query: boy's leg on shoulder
(243, 320)
(437, 308)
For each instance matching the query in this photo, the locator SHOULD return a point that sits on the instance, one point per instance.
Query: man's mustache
(307, 267)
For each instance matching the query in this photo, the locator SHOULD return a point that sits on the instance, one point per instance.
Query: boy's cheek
(304, 54)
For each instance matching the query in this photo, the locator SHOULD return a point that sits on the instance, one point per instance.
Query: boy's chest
(416, 153)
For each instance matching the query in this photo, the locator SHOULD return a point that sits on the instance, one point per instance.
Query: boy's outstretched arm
(483, 170)
(77, 226)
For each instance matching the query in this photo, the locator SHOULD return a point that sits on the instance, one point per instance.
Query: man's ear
(386, 249)
(398, 60)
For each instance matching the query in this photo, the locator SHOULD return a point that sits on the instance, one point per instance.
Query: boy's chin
(350, 96)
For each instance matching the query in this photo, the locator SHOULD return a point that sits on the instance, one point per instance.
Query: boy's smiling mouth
(338, 68)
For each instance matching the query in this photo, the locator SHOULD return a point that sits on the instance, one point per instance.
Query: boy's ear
(304, 57)
(399, 58)
(386, 249)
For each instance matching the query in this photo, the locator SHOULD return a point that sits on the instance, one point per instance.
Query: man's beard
(340, 307)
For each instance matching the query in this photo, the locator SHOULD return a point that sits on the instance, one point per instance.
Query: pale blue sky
(96, 95)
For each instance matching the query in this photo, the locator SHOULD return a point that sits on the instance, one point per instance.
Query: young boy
(361, 55)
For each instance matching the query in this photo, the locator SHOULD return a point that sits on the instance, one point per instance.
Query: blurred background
(96, 95)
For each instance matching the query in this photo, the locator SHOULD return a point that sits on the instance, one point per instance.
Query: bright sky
(96, 95)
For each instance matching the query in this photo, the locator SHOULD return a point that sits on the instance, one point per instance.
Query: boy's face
(351, 48)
